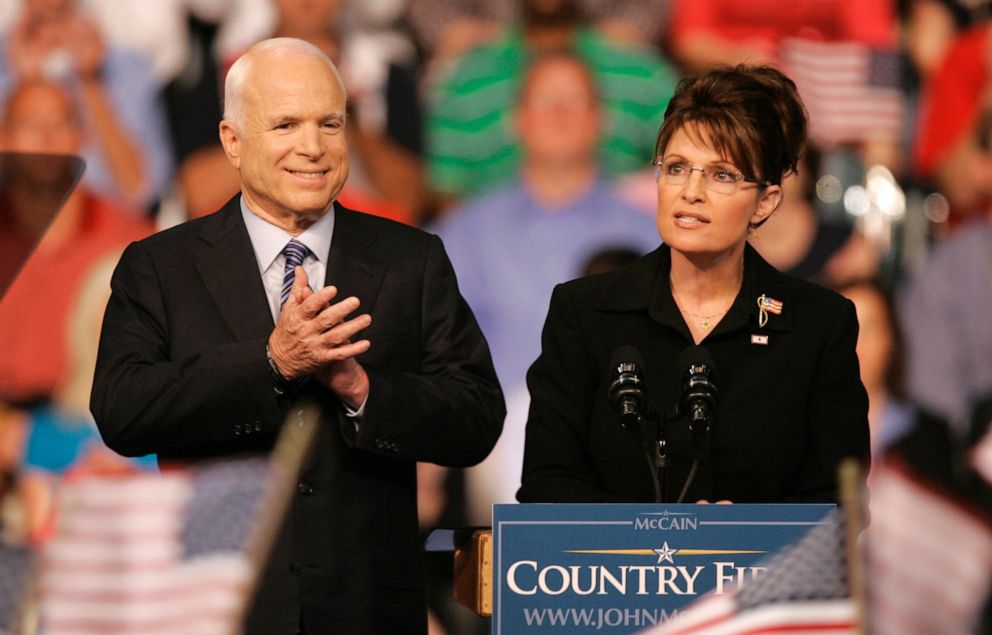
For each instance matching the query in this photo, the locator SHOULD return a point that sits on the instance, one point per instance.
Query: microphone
(626, 389)
(698, 390)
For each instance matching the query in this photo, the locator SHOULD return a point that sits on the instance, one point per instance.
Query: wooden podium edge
(473, 585)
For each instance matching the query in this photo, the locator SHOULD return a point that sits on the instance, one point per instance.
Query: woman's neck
(704, 289)
(702, 280)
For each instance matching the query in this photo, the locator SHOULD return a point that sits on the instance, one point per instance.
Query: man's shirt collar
(268, 240)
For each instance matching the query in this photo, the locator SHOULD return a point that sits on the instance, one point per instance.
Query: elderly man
(216, 327)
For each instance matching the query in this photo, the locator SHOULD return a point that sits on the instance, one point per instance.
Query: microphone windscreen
(695, 355)
(625, 354)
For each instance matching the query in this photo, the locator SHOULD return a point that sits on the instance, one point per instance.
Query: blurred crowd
(522, 132)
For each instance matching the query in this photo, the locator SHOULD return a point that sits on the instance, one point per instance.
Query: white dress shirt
(268, 241)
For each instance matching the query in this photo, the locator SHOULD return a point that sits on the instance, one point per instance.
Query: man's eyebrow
(278, 119)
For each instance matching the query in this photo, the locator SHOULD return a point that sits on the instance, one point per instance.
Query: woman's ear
(769, 201)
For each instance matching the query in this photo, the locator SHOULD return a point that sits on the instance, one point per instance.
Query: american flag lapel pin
(767, 305)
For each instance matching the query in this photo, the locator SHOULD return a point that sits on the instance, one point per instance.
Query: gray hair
(237, 76)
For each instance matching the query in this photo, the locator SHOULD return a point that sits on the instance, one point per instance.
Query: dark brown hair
(752, 114)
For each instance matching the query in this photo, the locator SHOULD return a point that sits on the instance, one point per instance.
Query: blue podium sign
(620, 568)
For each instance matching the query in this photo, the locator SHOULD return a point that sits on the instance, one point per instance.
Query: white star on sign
(666, 553)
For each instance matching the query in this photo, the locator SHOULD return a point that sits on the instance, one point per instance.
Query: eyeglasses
(716, 179)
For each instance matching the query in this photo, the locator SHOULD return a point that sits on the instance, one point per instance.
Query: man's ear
(769, 201)
(230, 138)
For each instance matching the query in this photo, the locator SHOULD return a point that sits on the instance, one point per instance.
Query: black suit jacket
(789, 409)
(182, 372)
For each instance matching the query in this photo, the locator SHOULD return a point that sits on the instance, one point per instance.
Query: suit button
(379, 444)
(258, 425)
(237, 429)
(305, 489)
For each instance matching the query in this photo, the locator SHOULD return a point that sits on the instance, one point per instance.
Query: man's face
(290, 147)
(40, 119)
(558, 116)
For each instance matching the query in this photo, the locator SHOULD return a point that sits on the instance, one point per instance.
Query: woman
(880, 356)
(790, 403)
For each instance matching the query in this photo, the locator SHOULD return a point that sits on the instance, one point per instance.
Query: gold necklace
(704, 321)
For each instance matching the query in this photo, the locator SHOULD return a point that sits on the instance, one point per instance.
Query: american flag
(152, 553)
(804, 590)
(852, 91)
(16, 563)
(770, 304)
(929, 557)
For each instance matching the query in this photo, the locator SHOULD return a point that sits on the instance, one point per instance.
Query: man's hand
(313, 337)
(87, 46)
(346, 379)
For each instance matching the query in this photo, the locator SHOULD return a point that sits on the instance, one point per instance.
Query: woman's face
(697, 221)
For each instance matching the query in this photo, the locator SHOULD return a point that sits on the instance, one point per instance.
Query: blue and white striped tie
(295, 252)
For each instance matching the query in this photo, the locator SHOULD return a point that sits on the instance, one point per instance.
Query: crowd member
(127, 144)
(61, 437)
(203, 178)
(707, 33)
(945, 311)
(213, 332)
(155, 30)
(797, 241)
(816, 44)
(511, 245)
(447, 28)
(931, 26)
(790, 404)
(469, 145)
(880, 359)
(954, 138)
(42, 118)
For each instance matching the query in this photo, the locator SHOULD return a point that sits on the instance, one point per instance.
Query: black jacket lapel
(229, 270)
(352, 264)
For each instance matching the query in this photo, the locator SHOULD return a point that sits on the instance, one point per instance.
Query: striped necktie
(295, 252)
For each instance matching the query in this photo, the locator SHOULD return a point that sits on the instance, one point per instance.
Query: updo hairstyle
(752, 114)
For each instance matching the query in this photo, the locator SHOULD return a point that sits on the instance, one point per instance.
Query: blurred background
(522, 132)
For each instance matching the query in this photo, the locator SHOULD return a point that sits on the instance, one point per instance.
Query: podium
(616, 568)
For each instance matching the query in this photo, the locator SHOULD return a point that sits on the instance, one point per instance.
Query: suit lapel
(352, 265)
(230, 274)
(633, 287)
(643, 286)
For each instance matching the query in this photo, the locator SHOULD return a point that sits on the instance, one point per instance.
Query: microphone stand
(656, 452)
(700, 441)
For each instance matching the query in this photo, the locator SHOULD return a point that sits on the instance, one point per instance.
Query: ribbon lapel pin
(767, 305)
